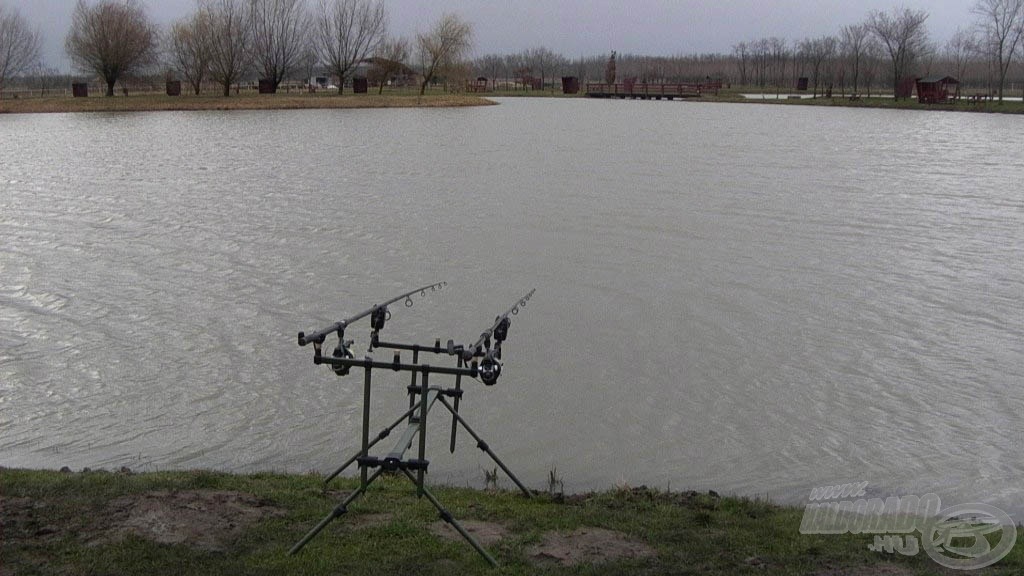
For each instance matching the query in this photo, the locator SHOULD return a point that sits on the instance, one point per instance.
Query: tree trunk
(895, 82)
(110, 87)
(423, 87)
(227, 89)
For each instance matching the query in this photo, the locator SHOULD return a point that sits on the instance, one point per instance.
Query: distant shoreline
(987, 106)
(162, 103)
(303, 101)
(734, 96)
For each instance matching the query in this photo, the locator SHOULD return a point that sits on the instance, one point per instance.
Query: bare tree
(761, 55)
(513, 64)
(1001, 23)
(19, 45)
(580, 69)
(780, 55)
(278, 36)
(113, 39)
(229, 36)
(560, 65)
(46, 79)
(853, 40)
(390, 60)
(349, 31)
(873, 55)
(491, 66)
(818, 53)
(961, 49)
(544, 62)
(308, 62)
(189, 48)
(609, 70)
(444, 47)
(741, 52)
(903, 35)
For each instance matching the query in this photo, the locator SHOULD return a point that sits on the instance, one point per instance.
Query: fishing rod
(379, 311)
(379, 315)
(490, 368)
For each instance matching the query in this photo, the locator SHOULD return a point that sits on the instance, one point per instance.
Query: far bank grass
(245, 101)
(53, 524)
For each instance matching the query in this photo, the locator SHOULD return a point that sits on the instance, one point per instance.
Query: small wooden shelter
(935, 89)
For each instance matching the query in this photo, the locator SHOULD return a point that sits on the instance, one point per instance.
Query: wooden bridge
(638, 91)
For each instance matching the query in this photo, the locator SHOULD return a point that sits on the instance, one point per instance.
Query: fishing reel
(343, 350)
(489, 370)
(501, 329)
(378, 317)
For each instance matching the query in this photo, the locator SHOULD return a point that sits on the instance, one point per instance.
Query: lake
(748, 298)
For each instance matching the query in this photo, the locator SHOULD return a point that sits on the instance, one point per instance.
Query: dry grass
(150, 102)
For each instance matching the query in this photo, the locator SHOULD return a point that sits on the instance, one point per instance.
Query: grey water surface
(753, 299)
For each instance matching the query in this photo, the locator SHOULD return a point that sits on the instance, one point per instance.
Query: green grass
(690, 533)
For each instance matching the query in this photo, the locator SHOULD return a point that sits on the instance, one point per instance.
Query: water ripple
(794, 297)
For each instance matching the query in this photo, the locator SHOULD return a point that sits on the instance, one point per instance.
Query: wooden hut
(934, 89)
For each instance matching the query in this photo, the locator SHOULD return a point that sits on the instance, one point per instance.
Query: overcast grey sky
(586, 27)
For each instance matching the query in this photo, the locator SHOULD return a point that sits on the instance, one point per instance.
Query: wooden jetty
(643, 91)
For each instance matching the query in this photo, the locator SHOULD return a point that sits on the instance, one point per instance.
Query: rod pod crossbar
(422, 398)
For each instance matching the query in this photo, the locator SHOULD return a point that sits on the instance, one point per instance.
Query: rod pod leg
(338, 511)
(382, 435)
(447, 517)
(485, 447)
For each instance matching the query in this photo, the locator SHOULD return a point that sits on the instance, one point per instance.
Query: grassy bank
(247, 101)
(211, 523)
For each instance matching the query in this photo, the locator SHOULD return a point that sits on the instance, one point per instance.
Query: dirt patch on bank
(486, 533)
(363, 521)
(203, 519)
(586, 546)
(19, 518)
